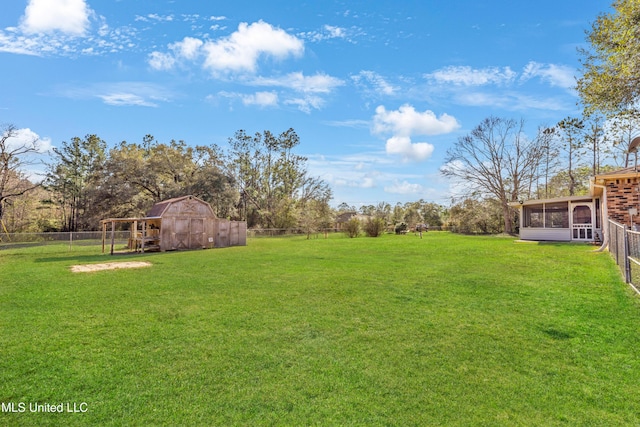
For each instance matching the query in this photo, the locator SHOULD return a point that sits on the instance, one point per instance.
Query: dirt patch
(87, 268)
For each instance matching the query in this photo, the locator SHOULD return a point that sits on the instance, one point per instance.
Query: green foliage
(624, 126)
(476, 217)
(352, 227)
(401, 228)
(611, 65)
(74, 177)
(271, 178)
(374, 227)
(448, 330)
(259, 179)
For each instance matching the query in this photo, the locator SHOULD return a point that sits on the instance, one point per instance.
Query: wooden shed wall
(230, 233)
(187, 223)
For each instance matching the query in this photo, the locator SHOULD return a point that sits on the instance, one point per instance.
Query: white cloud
(46, 16)
(120, 94)
(307, 103)
(161, 61)
(334, 32)
(410, 151)
(25, 137)
(236, 53)
(512, 101)
(380, 85)
(18, 45)
(63, 27)
(556, 75)
(318, 83)
(407, 121)
(188, 48)
(553, 74)
(121, 99)
(467, 76)
(404, 187)
(261, 99)
(240, 51)
(307, 88)
(326, 33)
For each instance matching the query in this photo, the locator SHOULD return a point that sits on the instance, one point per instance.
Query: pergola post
(104, 234)
(113, 235)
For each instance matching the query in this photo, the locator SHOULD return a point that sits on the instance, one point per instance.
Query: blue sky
(376, 90)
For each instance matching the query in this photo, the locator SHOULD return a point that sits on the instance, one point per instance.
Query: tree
(352, 228)
(624, 126)
(76, 172)
(272, 180)
(412, 214)
(560, 185)
(14, 156)
(345, 207)
(570, 130)
(595, 140)
(314, 215)
(210, 182)
(549, 159)
(432, 214)
(472, 216)
(374, 227)
(611, 66)
(495, 160)
(139, 175)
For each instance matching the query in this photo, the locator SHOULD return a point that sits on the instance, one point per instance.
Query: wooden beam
(104, 234)
(113, 235)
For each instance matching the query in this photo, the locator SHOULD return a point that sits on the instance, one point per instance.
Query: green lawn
(448, 330)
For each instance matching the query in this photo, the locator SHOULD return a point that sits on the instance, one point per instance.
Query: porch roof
(552, 200)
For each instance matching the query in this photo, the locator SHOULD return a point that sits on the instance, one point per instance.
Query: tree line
(258, 178)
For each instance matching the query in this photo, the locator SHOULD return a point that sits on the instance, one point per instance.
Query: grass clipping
(87, 268)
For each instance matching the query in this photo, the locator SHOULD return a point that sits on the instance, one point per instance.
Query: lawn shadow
(556, 334)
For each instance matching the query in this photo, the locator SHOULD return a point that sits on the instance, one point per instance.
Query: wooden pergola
(138, 240)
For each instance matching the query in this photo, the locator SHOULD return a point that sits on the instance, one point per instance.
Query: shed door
(181, 235)
(196, 233)
(582, 222)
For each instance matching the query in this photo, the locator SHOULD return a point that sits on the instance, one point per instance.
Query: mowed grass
(445, 330)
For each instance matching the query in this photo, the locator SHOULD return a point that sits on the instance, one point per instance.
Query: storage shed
(182, 223)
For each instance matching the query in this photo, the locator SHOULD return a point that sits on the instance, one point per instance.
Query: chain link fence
(79, 238)
(624, 246)
(633, 255)
(87, 238)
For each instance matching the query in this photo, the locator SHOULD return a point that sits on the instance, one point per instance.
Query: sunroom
(576, 218)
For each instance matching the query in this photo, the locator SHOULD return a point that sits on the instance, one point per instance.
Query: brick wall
(623, 194)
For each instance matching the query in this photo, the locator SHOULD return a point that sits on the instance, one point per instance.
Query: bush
(352, 228)
(401, 228)
(374, 227)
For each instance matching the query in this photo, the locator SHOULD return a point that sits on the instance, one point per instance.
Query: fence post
(627, 267)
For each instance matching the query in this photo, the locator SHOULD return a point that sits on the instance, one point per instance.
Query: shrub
(401, 228)
(352, 228)
(374, 227)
